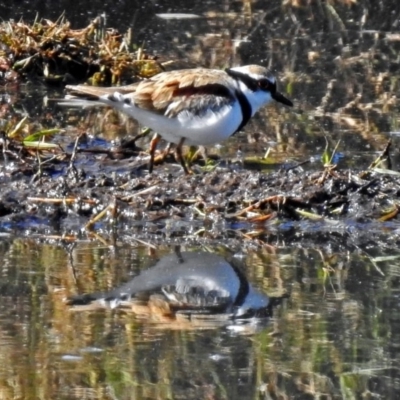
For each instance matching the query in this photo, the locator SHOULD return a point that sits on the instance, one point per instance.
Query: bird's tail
(95, 92)
(89, 96)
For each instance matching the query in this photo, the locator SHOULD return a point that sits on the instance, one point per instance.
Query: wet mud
(54, 193)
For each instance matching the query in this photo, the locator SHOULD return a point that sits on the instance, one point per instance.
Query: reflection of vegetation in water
(332, 336)
(338, 59)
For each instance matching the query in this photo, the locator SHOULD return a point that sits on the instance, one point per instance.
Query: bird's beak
(280, 98)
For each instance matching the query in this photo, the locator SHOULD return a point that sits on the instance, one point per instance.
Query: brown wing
(194, 90)
(191, 89)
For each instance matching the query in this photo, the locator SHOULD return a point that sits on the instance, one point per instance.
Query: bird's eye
(265, 84)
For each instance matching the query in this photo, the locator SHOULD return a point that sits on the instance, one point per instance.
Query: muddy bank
(57, 195)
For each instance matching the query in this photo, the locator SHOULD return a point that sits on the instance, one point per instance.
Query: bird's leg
(179, 157)
(160, 158)
(153, 145)
(166, 151)
(201, 152)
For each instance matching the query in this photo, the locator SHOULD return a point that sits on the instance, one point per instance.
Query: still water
(331, 330)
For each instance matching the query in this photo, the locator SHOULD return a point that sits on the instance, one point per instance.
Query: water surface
(334, 336)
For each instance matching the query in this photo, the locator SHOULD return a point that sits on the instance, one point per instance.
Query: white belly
(210, 128)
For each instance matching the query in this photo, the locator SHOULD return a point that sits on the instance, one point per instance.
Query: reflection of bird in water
(190, 282)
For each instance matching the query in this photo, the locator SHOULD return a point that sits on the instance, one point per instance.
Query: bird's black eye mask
(266, 85)
(251, 83)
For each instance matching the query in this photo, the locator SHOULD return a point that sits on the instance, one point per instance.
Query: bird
(197, 106)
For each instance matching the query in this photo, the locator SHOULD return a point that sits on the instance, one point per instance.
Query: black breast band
(246, 109)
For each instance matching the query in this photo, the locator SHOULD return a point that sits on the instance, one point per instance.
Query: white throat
(256, 99)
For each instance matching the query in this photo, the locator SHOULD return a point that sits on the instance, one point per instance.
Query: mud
(56, 194)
